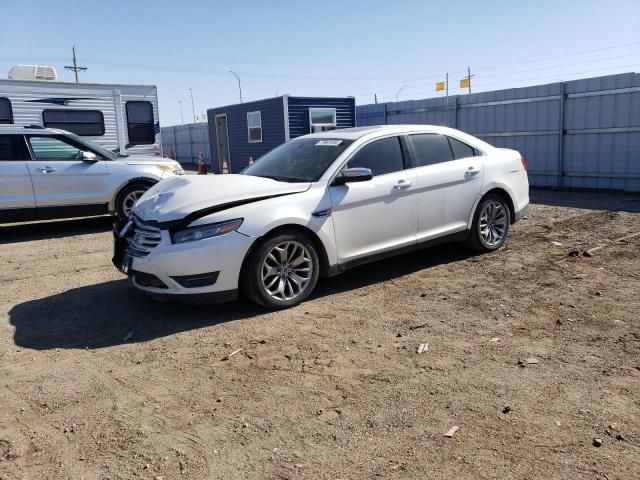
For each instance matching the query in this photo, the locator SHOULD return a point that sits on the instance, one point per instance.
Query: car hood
(148, 160)
(181, 200)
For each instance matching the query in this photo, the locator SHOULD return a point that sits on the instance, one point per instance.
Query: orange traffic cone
(202, 168)
(250, 159)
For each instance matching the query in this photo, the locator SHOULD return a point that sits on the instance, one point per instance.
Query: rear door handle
(45, 169)
(402, 185)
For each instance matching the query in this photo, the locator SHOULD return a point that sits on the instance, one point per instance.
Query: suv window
(80, 122)
(6, 114)
(13, 147)
(54, 148)
(140, 123)
(381, 156)
(461, 149)
(430, 148)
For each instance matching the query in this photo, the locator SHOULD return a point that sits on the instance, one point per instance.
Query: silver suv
(47, 173)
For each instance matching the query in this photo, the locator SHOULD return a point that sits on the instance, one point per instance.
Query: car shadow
(27, 232)
(590, 200)
(113, 313)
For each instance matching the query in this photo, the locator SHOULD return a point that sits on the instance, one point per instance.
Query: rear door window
(381, 156)
(13, 147)
(430, 149)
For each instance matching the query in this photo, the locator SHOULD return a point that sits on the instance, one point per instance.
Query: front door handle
(402, 185)
(473, 171)
(45, 169)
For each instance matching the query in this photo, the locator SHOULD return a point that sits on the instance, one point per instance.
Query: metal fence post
(561, 139)
(455, 112)
(385, 113)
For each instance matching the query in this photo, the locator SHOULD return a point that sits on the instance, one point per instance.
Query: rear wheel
(490, 224)
(282, 271)
(128, 197)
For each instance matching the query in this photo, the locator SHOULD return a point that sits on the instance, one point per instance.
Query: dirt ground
(532, 352)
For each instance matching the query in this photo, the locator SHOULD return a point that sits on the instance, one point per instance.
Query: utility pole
(239, 85)
(193, 109)
(468, 78)
(181, 116)
(446, 84)
(375, 98)
(75, 68)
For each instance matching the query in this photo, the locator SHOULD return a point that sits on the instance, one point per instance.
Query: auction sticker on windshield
(329, 143)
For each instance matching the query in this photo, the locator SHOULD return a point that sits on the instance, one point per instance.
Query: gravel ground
(533, 352)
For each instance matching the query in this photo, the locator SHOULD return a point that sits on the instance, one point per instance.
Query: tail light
(524, 163)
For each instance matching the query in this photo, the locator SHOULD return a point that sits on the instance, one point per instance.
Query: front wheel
(128, 198)
(490, 224)
(282, 271)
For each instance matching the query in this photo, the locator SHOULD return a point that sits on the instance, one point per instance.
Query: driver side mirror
(89, 157)
(352, 175)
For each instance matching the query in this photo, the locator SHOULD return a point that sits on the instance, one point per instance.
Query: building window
(322, 119)
(254, 127)
(6, 114)
(140, 123)
(86, 123)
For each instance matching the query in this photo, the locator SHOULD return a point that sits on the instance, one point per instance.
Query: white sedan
(316, 206)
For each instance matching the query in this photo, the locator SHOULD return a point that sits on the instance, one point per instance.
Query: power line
(422, 84)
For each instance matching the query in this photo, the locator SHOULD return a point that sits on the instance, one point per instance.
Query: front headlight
(175, 169)
(205, 231)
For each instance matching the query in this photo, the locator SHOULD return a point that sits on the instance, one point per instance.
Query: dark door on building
(222, 138)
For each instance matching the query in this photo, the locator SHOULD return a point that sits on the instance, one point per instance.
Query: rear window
(86, 123)
(461, 149)
(140, 123)
(13, 147)
(6, 114)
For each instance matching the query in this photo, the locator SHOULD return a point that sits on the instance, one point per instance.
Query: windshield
(300, 160)
(98, 149)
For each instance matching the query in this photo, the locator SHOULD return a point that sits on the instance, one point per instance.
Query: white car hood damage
(189, 197)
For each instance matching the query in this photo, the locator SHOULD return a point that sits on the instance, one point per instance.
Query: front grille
(145, 238)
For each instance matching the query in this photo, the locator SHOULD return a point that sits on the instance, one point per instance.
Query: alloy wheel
(493, 223)
(129, 201)
(287, 270)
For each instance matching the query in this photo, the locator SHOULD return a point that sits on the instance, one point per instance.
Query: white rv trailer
(122, 118)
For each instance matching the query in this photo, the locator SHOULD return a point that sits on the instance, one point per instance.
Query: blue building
(238, 132)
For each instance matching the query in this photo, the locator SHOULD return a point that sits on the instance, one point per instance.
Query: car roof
(375, 131)
(23, 129)
(378, 130)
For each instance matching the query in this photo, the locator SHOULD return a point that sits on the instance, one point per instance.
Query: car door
(380, 214)
(61, 177)
(16, 191)
(449, 179)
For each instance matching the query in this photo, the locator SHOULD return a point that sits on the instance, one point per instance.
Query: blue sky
(320, 48)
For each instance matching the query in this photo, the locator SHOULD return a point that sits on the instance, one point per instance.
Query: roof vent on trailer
(33, 72)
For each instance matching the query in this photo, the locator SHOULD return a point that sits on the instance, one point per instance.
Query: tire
(272, 279)
(127, 195)
(490, 225)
